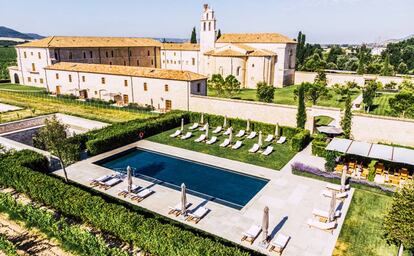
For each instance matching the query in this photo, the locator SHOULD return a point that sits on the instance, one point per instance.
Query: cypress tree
(301, 115)
(346, 122)
(193, 39)
(218, 34)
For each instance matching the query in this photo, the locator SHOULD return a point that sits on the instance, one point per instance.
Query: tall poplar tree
(301, 115)
(193, 39)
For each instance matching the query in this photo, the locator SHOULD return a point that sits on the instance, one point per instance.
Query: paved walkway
(290, 199)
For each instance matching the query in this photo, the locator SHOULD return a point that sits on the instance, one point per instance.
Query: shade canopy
(372, 150)
(330, 130)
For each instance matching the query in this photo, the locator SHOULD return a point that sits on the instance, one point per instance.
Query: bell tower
(208, 28)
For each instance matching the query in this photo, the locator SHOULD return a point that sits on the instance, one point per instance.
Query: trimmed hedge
(319, 144)
(300, 140)
(121, 134)
(152, 235)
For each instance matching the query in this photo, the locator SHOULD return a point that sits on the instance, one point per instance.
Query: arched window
(238, 71)
(209, 26)
(204, 24)
(207, 16)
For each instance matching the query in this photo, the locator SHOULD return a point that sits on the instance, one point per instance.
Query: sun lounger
(203, 128)
(279, 243)
(240, 133)
(197, 215)
(325, 226)
(212, 140)
(325, 214)
(124, 192)
(228, 131)
(237, 145)
(252, 135)
(110, 183)
(104, 178)
(217, 130)
(336, 187)
(281, 140)
(268, 151)
(254, 148)
(328, 193)
(225, 143)
(186, 136)
(269, 138)
(177, 132)
(201, 138)
(251, 234)
(176, 210)
(142, 195)
(194, 126)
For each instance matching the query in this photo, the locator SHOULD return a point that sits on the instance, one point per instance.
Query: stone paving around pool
(290, 199)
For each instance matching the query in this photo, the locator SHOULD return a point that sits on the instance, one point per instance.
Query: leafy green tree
(301, 115)
(402, 68)
(334, 53)
(314, 63)
(407, 84)
(231, 85)
(346, 122)
(399, 221)
(402, 104)
(374, 68)
(216, 83)
(390, 86)
(331, 66)
(321, 78)
(315, 91)
(344, 89)
(387, 68)
(265, 92)
(193, 39)
(53, 135)
(369, 93)
(219, 34)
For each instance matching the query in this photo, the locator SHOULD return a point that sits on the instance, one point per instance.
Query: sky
(323, 21)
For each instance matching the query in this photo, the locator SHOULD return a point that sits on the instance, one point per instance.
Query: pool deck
(290, 199)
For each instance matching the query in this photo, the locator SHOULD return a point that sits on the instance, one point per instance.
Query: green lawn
(286, 96)
(361, 234)
(381, 106)
(18, 87)
(323, 120)
(279, 158)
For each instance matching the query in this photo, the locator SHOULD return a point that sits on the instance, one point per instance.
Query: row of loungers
(278, 244)
(321, 217)
(194, 215)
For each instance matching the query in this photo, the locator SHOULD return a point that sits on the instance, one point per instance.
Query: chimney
(205, 7)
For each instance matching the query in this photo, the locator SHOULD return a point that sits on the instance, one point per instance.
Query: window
(112, 54)
(124, 63)
(207, 16)
(163, 61)
(25, 55)
(175, 54)
(145, 87)
(193, 60)
(179, 62)
(41, 80)
(126, 83)
(209, 26)
(110, 63)
(238, 71)
(57, 76)
(56, 55)
(84, 55)
(31, 53)
(152, 62)
(33, 67)
(35, 80)
(70, 55)
(166, 87)
(130, 53)
(175, 62)
(96, 92)
(198, 87)
(148, 53)
(103, 80)
(106, 54)
(137, 62)
(29, 79)
(204, 26)
(91, 54)
(70, 78)
(83, 79)
(252, 65)
(163, 53)
(39, 55)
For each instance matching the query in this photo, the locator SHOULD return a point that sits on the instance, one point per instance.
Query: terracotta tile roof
(255, 38)
(181, 47)
(234, 53)
(80, 42)
(127, 71)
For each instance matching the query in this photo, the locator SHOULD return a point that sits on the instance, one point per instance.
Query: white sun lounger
(336, 187)
(217, 130)
(203, 128)
(212, 140)
(225, 143)
(240, 133)
(341, 195)
(251, 135)
(201, 138)
(124, 192)
(325, 214)
(254, 148)
(194, 126)
(101, 179)
(110, 183)
(142, 194)
(186, 136)
(268, 151)
(269, 138)
(197, 215)
(237, 145)
(325, 226)
(281, 140)
(251, 234)
(177, 209)
(177, 132)
(227, 132)
(279, 243)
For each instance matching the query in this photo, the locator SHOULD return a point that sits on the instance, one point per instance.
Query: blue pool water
(220, 185)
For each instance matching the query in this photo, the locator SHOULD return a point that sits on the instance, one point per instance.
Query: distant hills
(389, 41)
(14, 35)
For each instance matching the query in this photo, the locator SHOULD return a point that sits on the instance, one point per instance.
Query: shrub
(371, 170)
(330, 164)
(300, 140)
(151, 233)
(319, 144)
(265, 92)
(7, 247)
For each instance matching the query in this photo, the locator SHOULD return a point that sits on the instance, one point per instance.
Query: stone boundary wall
(23, 124)
(334, 78)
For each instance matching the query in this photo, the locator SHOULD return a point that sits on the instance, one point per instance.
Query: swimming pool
(209, 182)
